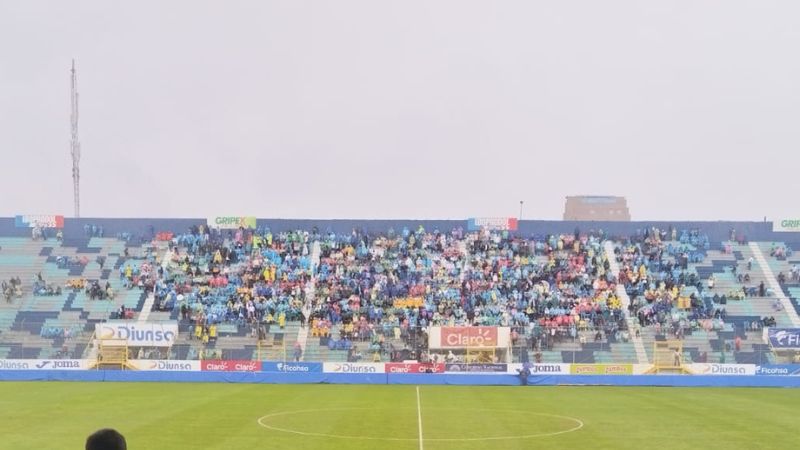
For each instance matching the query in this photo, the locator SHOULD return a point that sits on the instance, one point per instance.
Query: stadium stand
(362, 291)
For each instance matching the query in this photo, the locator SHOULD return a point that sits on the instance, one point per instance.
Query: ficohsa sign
(291, 367)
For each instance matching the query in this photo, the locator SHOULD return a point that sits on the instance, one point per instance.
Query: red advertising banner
(461, 337)
(414, 368)
(230, 366)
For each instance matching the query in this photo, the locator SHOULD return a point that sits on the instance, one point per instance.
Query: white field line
(419, 419)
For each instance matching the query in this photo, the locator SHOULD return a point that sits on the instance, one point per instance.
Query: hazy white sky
(402, 109)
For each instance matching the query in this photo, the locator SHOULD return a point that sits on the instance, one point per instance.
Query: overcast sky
(402, 109)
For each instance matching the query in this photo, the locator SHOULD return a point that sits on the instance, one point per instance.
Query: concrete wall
(717, 231)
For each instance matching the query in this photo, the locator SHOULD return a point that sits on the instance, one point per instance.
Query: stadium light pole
(75, 145)
(520, 209)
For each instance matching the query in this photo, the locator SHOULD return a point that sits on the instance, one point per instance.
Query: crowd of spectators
(11, 288)
(245, 277)
(664, 293)
(386, 289)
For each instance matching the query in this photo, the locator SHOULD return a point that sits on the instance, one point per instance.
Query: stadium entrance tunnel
(401, 424)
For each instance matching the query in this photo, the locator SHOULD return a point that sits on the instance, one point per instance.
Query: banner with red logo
(39, 221)
(468, 337)
(492, 223)
(414, 368)
(234, 365)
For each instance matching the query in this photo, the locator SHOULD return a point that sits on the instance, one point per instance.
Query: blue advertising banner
(291, 367)
(790, 370)
(462, 368)
(784, 338)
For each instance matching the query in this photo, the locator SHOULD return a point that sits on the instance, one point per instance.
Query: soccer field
(175, 416)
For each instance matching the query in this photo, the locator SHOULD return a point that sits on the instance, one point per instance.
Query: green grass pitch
(177, 416)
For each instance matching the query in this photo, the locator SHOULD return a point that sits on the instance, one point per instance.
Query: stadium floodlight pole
(520, 209)
(75, 145)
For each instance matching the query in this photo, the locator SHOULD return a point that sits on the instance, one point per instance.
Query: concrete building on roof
(597, 208)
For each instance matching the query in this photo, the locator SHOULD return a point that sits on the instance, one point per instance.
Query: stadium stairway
(638, 345)
(302, 335)
(788, 306)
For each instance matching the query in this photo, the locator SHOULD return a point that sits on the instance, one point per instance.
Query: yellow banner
(408, 302)
(601, 369)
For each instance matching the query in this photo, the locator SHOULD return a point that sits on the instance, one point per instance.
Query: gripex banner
(790, 225)
(784, 338)
(231, 222)
(141, 334)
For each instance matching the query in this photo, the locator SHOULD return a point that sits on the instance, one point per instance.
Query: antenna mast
(75, 145)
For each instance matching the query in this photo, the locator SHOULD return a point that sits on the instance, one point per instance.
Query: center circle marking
(261, 422)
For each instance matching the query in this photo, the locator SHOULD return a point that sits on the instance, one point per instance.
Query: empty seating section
(52, 314)
(366, 296)
(715, 300)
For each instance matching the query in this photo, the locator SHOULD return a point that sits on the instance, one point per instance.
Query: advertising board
(601, 369)
(492, 223)
(291, 367)
(44, 364)
(476, 368)
(541, 369)
(785, 370)
(38, 220)
(234, 365)
(786, 225)
(784, 338)
(468, 337)
(165, 365)
(231, 222)
(353, 367)
(143, 334)
(414, 368)
(722, 369)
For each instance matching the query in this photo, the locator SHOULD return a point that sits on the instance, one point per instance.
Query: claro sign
(233, 365)
(414, 368)
(468, 337)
